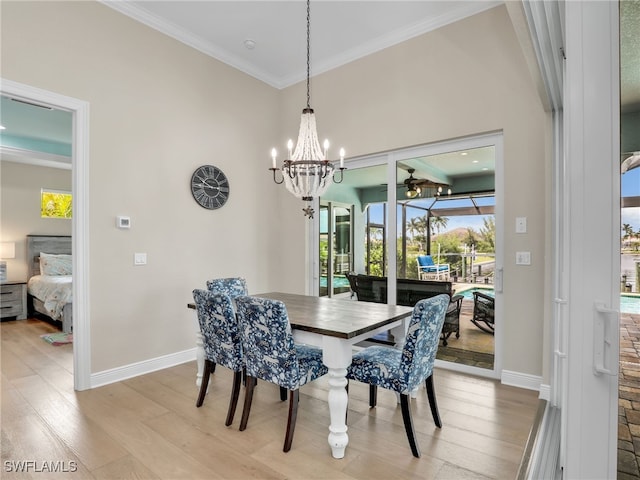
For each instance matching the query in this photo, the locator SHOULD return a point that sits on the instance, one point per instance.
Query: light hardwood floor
(149, 427)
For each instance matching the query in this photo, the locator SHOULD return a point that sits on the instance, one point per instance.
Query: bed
(49, 288)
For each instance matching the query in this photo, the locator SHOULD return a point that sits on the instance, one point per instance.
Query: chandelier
(307, 173)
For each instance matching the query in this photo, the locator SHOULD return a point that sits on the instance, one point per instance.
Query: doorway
(336, 240)
(80, 227)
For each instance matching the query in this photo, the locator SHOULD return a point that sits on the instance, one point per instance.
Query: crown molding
(32, 157)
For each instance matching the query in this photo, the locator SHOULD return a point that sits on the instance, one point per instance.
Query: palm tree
(421, 227)
(628, 231)
(438, 223)
(488, 234)
(413, 227)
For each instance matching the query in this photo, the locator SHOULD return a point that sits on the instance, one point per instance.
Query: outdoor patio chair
(271, 355)
(483, 312)
(427, 269)
(221, 342)
(402, 371)
(452, 319)
(353, 283)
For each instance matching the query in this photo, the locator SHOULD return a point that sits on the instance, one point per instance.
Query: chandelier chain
(308, 51)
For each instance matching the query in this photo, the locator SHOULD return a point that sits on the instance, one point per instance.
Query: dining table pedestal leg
(337, 357)
(199, 358)
(199, 352)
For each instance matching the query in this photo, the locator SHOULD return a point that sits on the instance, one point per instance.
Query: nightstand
(13, 299)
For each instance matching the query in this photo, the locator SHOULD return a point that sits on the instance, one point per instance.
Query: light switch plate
(521, 224)
(523, 258)
(139, 258)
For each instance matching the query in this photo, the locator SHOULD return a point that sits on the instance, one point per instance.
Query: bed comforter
(53, 291)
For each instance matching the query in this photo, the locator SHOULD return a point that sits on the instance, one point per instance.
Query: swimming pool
(339, 281)
(468, 293)
(628, 303)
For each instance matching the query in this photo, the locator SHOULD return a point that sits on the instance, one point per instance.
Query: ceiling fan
(630, 162)
(416, 185)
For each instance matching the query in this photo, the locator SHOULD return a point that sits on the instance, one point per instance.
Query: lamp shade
(7, 250)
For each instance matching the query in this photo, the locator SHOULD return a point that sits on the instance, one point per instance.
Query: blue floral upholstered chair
(270, 354)
(233, 286)
(403, 370)
(221, 342)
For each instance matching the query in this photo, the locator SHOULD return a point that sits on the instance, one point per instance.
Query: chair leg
(209, 367)
(408, 424)
(283, 394)
(346, 413)
(373, 395)
(235, 393)
(431, 393)
(248, 397)
(291, 421)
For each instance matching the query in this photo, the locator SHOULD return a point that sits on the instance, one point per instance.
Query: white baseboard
(522, 380)
(545, 392)
(147, 366)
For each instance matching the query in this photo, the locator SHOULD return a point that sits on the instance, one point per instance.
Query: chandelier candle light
(307, 172)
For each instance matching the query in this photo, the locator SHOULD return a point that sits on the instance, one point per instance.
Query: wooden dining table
(335, 325)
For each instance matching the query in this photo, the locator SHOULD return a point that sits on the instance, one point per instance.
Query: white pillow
(51, 264)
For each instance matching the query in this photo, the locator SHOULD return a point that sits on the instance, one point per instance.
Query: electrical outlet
(523, 258)
(521, 224)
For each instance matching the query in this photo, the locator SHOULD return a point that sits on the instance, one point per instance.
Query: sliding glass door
(446, 205)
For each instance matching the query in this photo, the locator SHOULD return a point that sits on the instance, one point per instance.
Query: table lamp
(7, 250)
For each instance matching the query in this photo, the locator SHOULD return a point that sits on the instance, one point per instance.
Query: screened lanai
(445, 209)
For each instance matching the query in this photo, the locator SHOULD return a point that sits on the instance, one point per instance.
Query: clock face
(210, 187)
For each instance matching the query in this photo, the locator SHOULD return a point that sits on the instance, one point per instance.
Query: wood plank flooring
(148, 427)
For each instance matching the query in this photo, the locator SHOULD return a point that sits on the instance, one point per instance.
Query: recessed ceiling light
(2, 127)
(464, 153)
(249, 44)
(485, 168)
(474, 161)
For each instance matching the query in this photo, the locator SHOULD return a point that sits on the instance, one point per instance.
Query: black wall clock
(209, 187)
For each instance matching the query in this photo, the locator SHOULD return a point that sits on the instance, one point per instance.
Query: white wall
(20, 186)
(159, 109)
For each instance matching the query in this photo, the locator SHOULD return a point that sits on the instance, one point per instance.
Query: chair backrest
(219, 327)
(353, 281)
(425, 261)
(233, 286)
(484, 305)
(421, 341)
(267, 342)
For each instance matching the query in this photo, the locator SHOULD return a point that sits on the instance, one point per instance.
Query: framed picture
(55, 203)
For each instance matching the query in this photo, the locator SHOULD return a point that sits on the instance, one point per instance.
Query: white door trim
(592, 141)
(80, 224)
